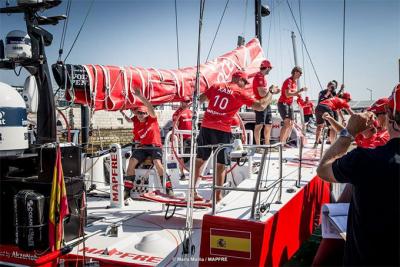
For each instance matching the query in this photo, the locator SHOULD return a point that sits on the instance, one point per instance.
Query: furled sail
(112, 88)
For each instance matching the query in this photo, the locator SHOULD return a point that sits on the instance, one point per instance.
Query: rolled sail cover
(112, 87)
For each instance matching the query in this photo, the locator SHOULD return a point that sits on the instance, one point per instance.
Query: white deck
(143, 219)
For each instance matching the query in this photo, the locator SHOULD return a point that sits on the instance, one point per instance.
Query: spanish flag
(58, 204)
(230, 243)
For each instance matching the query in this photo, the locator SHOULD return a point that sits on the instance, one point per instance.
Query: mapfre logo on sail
(2, 118)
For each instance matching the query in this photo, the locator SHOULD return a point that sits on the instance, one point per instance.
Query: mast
(46, 121)
(258, 23)
(303, 127)
(298, 81)
(260, 11)
(293, 36)
(84, 126)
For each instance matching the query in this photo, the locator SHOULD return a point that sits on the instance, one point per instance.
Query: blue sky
(142, 33)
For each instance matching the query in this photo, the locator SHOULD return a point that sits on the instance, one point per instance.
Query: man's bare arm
(203, 98)
(261, 104)
(146, 102)
(357, 123)
(125, 116)
(296, 93)
(335, 124)
(273, 89)
(350, 111)
(338, 149)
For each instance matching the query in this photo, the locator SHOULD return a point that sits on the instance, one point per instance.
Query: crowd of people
(224, 101)
(371, 170)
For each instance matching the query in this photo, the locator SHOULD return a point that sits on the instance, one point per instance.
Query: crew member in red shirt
(308, 108)
(330, 105)
(370, 138)
(224, 100)
(365, 139)
(376, 134)
(183, 118)
(285, 108)
(260, 90)
(147, 133)
(379, 109)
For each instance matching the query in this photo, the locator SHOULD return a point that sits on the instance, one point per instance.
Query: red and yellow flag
(231, 243)
(58, 204)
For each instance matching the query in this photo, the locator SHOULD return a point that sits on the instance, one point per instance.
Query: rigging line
(305, 46)
(280, 38)
(64, 30)
(216, 33)
(79, 32)
(245, 18)
(344, 35)
(278, 3)
(177, 34)
(302, 45)
(195, 108)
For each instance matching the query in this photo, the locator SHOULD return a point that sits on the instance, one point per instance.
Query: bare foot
(197, 197)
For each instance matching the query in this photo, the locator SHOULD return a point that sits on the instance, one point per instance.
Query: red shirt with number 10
(224, 101)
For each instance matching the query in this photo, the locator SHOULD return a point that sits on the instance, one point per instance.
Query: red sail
(111, 87)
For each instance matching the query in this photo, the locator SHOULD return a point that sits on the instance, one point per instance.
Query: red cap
(346, 95)
(141, 109)
(394, 99)
(265, 64)
(379, 106)
(241, 75)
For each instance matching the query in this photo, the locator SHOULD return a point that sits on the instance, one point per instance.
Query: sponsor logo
(31, 234)
(126, 256)
(11, 253)
(114, 177)
(215, 112)
(79, 77)
(227, 67)
(2, 118)
(143, 135)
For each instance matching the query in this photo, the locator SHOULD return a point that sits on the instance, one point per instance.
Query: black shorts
(212, 137)
(265, 116)
(320, 110)
(286, 111)
(307, 118)
(187, 144)
(141, 153)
